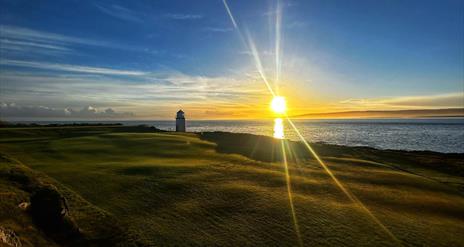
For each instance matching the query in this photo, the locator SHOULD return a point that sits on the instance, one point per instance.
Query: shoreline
(156, 129)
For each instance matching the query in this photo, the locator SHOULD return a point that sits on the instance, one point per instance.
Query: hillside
(20, 227)
(169, 189)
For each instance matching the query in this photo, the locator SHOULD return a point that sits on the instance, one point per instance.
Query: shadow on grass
(261, 148)
(268, 149)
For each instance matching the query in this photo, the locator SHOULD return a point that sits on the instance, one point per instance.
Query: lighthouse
(180, 121)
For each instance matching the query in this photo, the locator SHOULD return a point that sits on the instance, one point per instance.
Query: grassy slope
(444, 168)
(18, 182)
(11, 195)
(175, 189)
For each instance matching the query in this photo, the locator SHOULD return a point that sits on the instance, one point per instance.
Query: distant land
(423, 113)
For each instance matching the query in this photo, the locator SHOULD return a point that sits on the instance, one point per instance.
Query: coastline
(436, 135)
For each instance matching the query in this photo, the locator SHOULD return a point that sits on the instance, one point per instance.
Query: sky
(146, 59)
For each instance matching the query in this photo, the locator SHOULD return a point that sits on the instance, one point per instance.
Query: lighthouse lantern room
(180, 121)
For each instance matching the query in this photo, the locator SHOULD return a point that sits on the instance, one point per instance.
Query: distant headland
(422, 113)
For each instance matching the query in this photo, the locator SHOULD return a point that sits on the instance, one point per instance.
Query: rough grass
(175, 189)
(18, 183)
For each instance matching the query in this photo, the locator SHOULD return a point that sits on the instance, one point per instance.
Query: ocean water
(440, 135)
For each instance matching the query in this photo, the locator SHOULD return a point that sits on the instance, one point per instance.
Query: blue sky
(145, 59)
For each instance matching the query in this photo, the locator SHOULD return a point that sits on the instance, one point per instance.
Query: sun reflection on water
(278, 128)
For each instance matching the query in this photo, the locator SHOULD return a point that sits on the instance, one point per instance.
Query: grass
(18, 183)
(172, 189)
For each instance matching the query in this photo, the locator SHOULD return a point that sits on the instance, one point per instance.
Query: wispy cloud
(7, 43)
(272, 12)
(68, 67)
(12, 110)
(296, 24)
(26, 41)
(153, 93)
(10, 49)
(120, 12)
(291, 4)
(26, 34)
(217, 29)
(177, 16)
(410, 102)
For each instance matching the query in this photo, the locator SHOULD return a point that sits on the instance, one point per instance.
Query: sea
(438, 134)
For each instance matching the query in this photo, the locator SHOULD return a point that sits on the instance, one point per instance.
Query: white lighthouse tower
(180, 121)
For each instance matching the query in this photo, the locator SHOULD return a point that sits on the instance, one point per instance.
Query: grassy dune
(176, 189)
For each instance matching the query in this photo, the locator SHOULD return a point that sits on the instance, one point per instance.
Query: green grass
(18, 183)
(175, 189)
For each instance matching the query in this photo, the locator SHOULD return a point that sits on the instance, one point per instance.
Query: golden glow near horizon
(279, 105)
(278, 128)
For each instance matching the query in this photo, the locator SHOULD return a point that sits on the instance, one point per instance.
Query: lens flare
(290, 196)
(230, 13)
(278, 64)
(345, 190)
(258, 64)
(278, 105)
(250, 45)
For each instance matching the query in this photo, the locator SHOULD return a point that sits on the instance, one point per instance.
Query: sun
(278, 105)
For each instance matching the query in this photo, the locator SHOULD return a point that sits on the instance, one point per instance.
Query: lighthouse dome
(180, 114)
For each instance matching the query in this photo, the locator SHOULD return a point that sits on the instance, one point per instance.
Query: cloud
(151, 93)
(69, 67)
(296, 24)
(449, 100)
(217, 29)
(270, 13)
(12, 110)
(13, 48)
(291, 4)
(26, 41)
(7, 44)
(120, 12)
(59, 86)
(183, 16)
(26, 34)
(286, 4)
